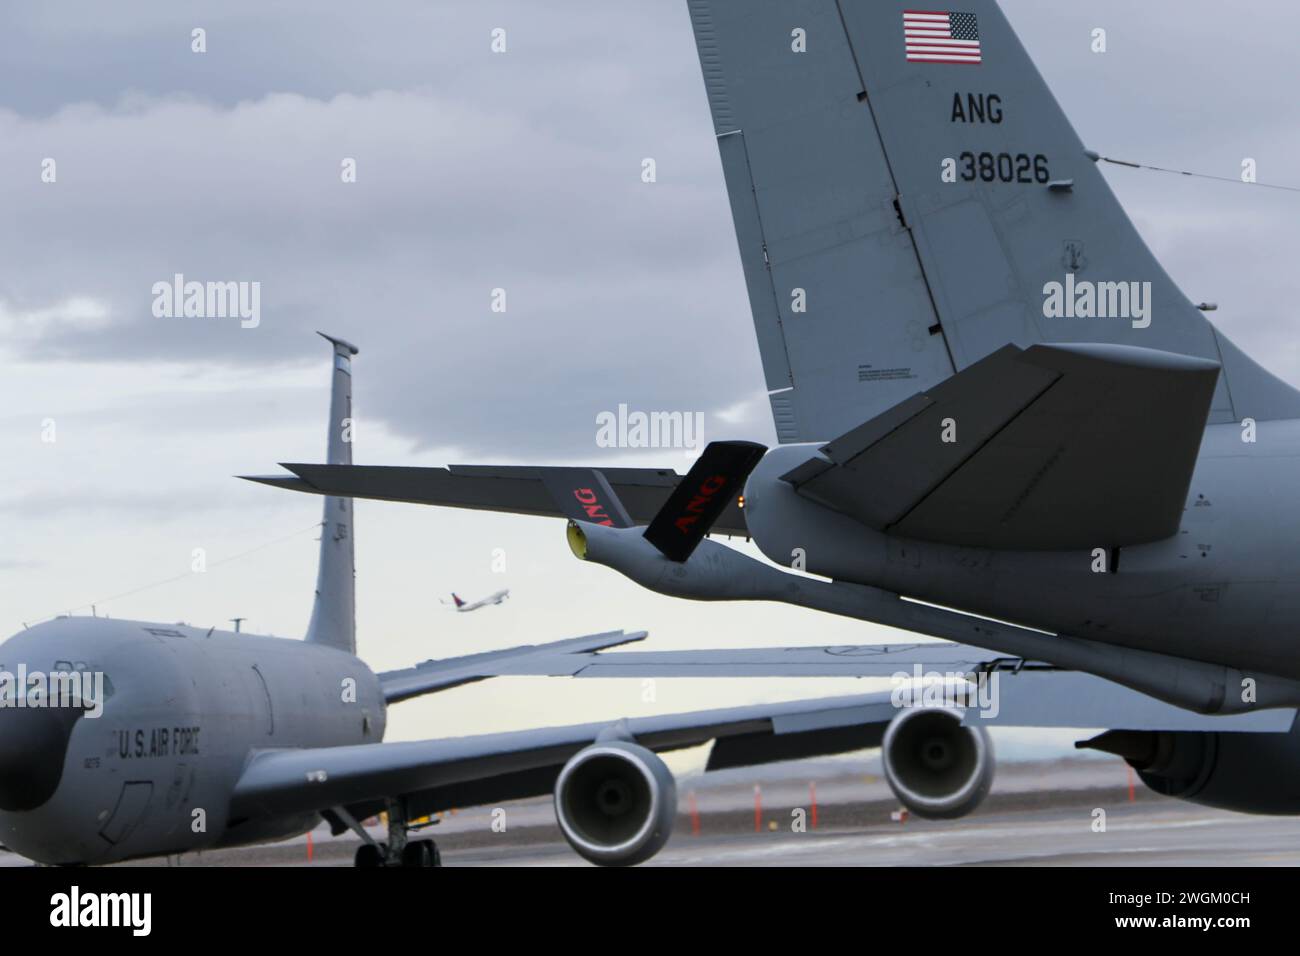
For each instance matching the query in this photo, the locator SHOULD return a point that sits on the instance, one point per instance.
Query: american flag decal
(933, 36)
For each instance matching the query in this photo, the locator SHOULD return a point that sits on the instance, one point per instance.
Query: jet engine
(1246, 772)
(937, 767)
(616, 802)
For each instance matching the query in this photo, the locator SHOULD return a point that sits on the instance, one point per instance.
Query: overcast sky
(475, 171)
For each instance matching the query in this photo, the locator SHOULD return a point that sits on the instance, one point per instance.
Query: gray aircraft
(1000, 421)
(123, 739)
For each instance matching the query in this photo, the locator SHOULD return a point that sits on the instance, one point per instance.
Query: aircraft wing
(864, 660)
(1032, 694)
(436, 675)
(1026, 449)
(620, 497)
(1035, 449)
(465, 771)
(435, 775)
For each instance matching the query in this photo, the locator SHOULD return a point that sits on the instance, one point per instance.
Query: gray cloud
(521, 171)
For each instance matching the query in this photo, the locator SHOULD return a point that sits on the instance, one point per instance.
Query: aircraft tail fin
(456, 598)
(909, 197)
(712, 485)
(333, 615)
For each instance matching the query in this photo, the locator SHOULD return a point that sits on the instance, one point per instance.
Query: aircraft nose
(33, 745)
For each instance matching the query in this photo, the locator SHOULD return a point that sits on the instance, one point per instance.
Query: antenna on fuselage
(237, 621)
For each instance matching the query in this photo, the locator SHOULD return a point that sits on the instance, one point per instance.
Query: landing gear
(421, 853)
(416, 853)
(368, 854)
(397, 850)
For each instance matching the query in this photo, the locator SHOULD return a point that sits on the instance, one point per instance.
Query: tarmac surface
(1047, 814)
(1146, 833)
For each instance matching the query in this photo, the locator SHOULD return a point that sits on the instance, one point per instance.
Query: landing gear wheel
(368, 855)
(421, 853)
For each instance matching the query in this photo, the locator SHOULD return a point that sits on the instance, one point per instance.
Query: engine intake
(937, 767)
(616, 803)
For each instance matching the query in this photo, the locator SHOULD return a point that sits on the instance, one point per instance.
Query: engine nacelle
(937, 767)
(616, 802)
(1246, 772)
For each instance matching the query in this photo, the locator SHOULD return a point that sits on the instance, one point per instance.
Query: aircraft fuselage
(184, 710)
(1223, 589)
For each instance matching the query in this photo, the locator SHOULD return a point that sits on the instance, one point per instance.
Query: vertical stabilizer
(333, 614)
(909, 198)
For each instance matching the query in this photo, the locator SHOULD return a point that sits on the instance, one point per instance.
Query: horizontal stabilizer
(621, 496)
(288, 482)
(1051, 448)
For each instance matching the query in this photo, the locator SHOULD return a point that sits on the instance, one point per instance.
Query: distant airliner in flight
(461, 605)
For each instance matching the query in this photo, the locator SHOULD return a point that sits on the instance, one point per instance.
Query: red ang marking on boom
(591, 504)
(708, 489)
